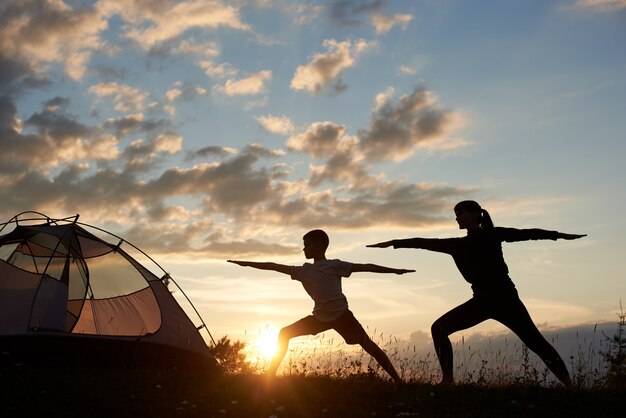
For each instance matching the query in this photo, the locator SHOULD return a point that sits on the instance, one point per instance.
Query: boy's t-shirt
(322, 281)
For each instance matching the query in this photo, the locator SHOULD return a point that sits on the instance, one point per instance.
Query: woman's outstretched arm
(442, 245)
(375, 268)
(563, 235)
(515, 235)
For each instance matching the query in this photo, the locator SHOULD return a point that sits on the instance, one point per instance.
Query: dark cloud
(389, 204)
(352, 12)
(397, 128)
(320, 139)
(210, 151)
(180, 238)
(57, 124)
(59, 139)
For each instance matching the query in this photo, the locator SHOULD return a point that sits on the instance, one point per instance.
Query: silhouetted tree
(230, 356)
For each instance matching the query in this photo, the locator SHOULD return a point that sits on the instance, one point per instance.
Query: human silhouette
(322, 281)
(478, 256)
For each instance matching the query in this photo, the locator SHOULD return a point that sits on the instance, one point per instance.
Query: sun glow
(264, 346)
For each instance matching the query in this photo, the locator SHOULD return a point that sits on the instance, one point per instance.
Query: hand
(381, 244)
(570, 236)
(239, 263)
(404, 271)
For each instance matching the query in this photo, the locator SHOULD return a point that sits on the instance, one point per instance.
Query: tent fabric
(58, 277)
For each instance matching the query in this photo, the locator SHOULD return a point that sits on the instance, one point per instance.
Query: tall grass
(599, 361)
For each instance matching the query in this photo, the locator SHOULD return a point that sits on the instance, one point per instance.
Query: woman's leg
(515, 316)
(462, 317)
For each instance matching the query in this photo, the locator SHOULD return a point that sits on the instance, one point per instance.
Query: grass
(511, 364)
(327, 379)
(152, 393)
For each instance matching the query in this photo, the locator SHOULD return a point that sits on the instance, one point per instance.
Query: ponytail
(485, 220)
(472, 206)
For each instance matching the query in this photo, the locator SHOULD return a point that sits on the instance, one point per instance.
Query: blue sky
(208, 130)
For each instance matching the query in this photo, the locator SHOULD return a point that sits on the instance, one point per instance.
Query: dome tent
(69, 295)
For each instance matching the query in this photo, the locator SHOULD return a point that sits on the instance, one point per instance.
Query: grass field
(329, 382)
(30, 392)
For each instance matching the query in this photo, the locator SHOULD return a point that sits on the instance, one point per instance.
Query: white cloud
(223, 70)
(169, 143)
(383, 23)
(253, 84)
(173, 93)
(193, 47)
(326, 68)
(276, 124)
(50, 32)
(153, 23)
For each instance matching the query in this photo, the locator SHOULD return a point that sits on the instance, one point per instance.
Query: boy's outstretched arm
(375, 268)
(384, 244)
(281, 268)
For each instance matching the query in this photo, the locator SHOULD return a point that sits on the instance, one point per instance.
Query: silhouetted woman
(479, 258)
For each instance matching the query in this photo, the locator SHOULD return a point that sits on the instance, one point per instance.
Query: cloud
(164, 143)
(320, 139)
(152, 23)
(305, 13)
(276, 124)
(253, 84)
(223, 70)
(602, 5)
(198, 238)
(396, 131)
(194, 47)
(389, 204)
(383, 23)
(126, 98)
(37, 33)
(343, 159)
(136, 122)
(396, 128)
(325, 69)
(354, 12)
(211, 150)
(178, 91)
(349, 12)
(60, 139)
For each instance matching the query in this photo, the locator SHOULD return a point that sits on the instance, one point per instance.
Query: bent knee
(285, 334)
(438, 329)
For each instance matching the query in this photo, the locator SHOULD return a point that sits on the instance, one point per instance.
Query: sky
(202, 131)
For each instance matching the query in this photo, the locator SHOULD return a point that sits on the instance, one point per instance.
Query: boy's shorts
(346, 325)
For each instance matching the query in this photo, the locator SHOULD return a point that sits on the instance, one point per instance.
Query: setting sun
(264, 346)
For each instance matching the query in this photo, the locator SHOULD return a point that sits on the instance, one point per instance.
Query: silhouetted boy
(322, 281)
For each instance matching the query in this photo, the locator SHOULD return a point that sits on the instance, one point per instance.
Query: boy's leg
(305, 326)
(516, 317)
(462, 317)
(379, 355)
(352, 331)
